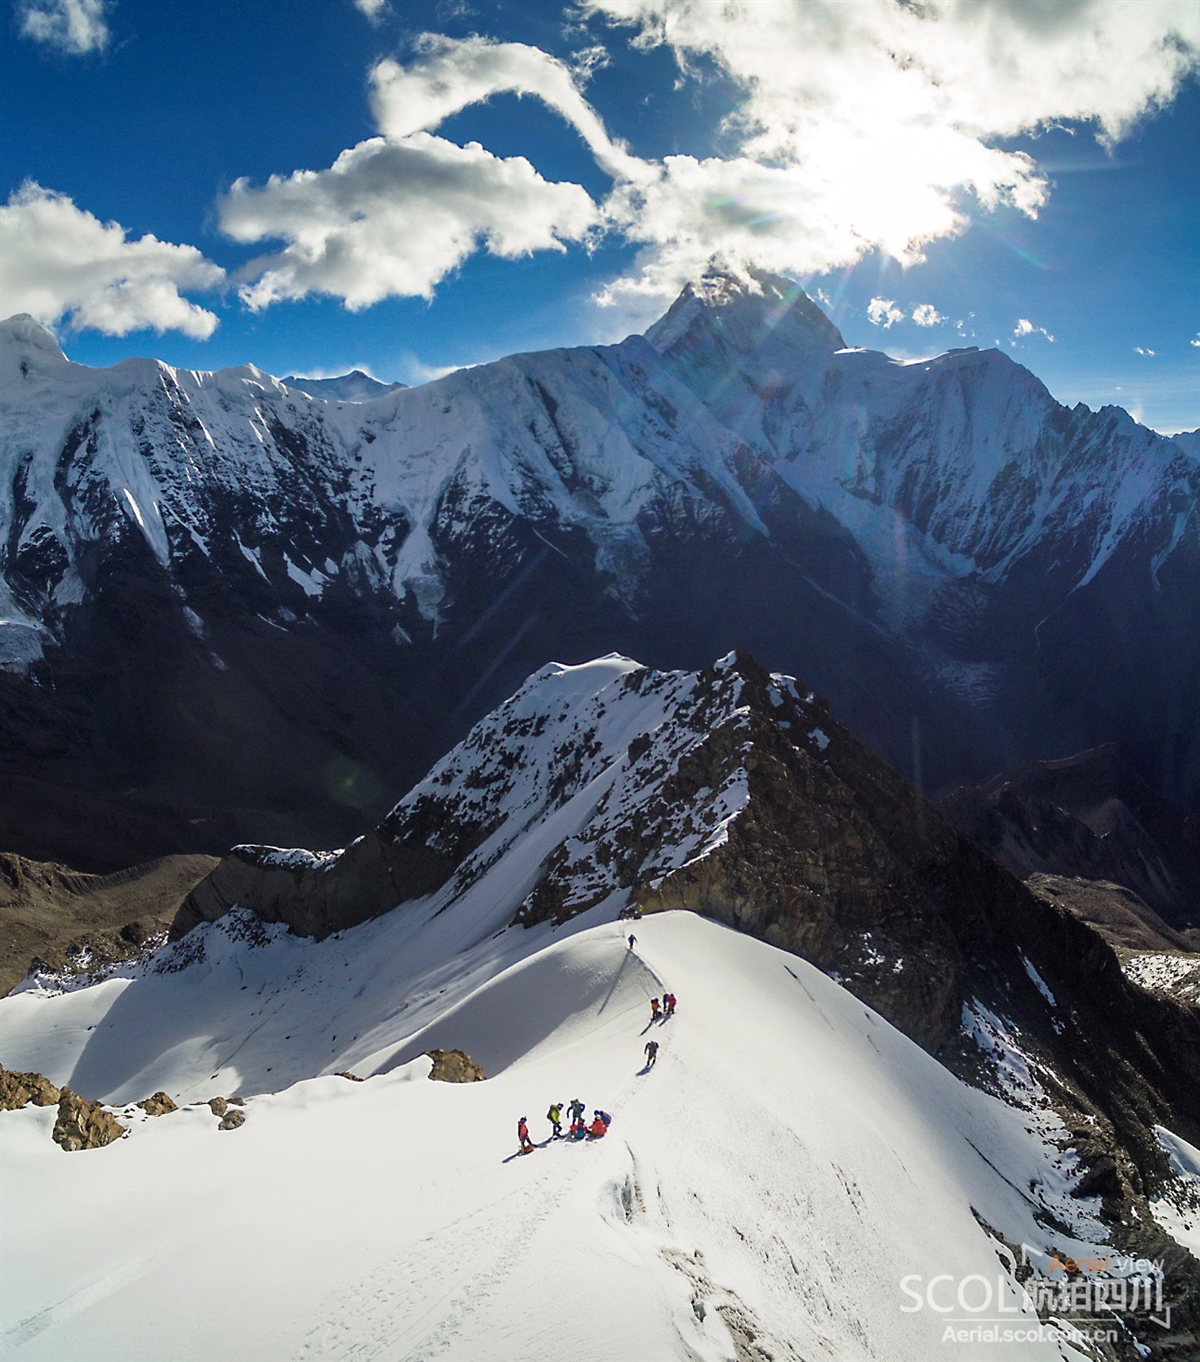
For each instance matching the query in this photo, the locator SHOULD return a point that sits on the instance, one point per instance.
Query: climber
(655, 1011)
(668, 1005)
(599, 1127)
(651, 1053)
(523, 1136)
(576, 1109)
(554, 1116)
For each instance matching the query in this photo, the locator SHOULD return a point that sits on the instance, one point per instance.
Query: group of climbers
(660, 1011)
(597, 1128)
(580, 1129)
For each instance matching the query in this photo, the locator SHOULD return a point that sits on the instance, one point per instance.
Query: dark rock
(354, 1078)
(231, 1120)
(375, 873)
(218, 1106)
(1088, 817)
(84, 1125)
(20, 1089)
(454, 1066)
(159, 1104)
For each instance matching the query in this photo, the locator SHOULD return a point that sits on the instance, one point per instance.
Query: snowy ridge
(725, 1205)
(594, 784)
(577, 758)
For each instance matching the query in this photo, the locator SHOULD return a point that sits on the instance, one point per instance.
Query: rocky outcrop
(374, 873)
(1116, 912)
(454, 1066)
(232, 1119)
(19, 1090)
(158, 1104)
(84, 1125)
(218, 1106)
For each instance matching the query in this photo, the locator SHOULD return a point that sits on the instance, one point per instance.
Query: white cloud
(1025, 327)
(62, 262)
(861, 125)
(883, 312)
(392, 218)
(856, 127)
(73, 26)
(451, 74)
(374, 10)
(1142, 350)
(925, 314)
(395, 214)
(1196, 340)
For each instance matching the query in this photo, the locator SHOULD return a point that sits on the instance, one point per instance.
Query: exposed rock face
(73, 922)
(218, 1106)
(293, 886)
(84, 1125)
(158, 1104)
(1088, 817)
(454, 1066)
(232, 1119)
(1116, 912)
(18, 1090)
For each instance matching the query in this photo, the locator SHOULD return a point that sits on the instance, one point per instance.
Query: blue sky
(456, 182)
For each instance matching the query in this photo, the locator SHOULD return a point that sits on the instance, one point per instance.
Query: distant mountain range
(352, 387)
(239, 609)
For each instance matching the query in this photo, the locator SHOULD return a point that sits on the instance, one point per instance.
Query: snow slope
(790, 1159)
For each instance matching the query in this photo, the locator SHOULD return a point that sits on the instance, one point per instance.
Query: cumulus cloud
(925, 314)
(1142, 350)
(72, 26)
(62, 262)
(395, 214)
(883, 312)
(854, 127)
(1025, 327)
(863, 125)
(394, 217)
(1196, 340)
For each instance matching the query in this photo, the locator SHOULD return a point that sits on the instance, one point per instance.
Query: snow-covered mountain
(766, 1190)
(973, 573)
(735, 794)
(352, 387)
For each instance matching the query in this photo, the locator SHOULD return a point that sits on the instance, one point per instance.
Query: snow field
(787, 1162)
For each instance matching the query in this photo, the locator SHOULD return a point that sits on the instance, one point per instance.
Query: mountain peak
(356, 386)
(753, 314)
(22, 329)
